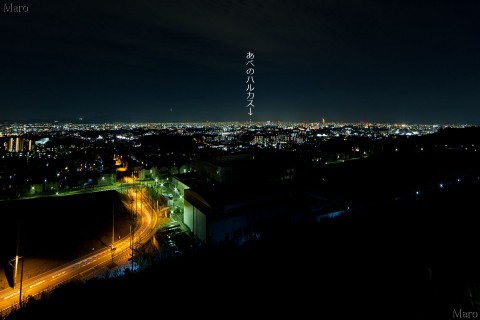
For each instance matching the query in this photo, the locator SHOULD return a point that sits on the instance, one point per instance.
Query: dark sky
(185, 60)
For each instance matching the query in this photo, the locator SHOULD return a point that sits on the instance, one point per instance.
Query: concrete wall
(240, 228)
(195, 220)
(230, 229)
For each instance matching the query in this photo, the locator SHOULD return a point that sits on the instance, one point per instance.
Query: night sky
(181, 61)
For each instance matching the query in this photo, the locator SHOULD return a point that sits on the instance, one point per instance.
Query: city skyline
(186, 62)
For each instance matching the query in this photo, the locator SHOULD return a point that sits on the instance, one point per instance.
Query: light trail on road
(91, 264)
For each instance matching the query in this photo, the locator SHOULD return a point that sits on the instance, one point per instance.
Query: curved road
(147, 223)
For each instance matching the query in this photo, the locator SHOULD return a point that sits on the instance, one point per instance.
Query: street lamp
(21, 282)
(16, 261)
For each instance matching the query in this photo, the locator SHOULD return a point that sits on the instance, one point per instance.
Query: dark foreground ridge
(409, 259)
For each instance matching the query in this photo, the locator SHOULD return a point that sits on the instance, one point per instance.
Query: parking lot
(175, 240)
